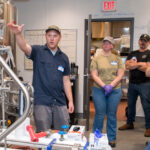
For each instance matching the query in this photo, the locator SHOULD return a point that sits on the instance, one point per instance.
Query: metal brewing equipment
(7, 14)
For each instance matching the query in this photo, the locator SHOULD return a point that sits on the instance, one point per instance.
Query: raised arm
(17, 30)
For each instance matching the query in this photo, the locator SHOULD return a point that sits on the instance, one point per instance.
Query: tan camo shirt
(107, 67)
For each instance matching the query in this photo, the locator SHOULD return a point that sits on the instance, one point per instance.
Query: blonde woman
(107, 70)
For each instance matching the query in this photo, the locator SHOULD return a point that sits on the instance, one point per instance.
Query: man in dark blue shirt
(51, 80)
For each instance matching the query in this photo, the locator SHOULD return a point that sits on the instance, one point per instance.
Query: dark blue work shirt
(48, 72)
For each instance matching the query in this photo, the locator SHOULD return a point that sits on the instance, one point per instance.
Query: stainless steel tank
(7, 14)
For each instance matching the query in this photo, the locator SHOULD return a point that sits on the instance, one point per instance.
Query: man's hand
(108, 89)
(131, 64)
(71, 107)
(16, 29)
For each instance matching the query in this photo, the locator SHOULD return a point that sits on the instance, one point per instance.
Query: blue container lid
(62, 132)
(97, 133)
(65, 126)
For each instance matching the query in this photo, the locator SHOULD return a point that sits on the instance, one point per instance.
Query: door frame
(87, 34)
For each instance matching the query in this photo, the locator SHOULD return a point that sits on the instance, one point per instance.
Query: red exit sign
(109, 5)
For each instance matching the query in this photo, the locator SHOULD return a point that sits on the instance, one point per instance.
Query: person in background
(107, 70)
(139, 85)
(51, 79)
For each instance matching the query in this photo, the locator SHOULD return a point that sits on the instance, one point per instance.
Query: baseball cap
(145, 37)
(53, 27)
(109, 38)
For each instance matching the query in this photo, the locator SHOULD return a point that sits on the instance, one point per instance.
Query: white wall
(70, 14)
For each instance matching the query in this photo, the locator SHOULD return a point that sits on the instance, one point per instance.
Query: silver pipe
(27, 100)
(3, 110)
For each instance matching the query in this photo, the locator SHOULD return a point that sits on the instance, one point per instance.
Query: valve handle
(32, 134)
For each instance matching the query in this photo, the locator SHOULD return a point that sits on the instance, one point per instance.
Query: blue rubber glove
(108, 89)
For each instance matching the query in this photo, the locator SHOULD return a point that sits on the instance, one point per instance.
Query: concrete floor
(129, 139)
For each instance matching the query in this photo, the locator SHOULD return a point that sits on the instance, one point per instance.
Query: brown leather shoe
(112, 143)
(126, 127)
(147, 133)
